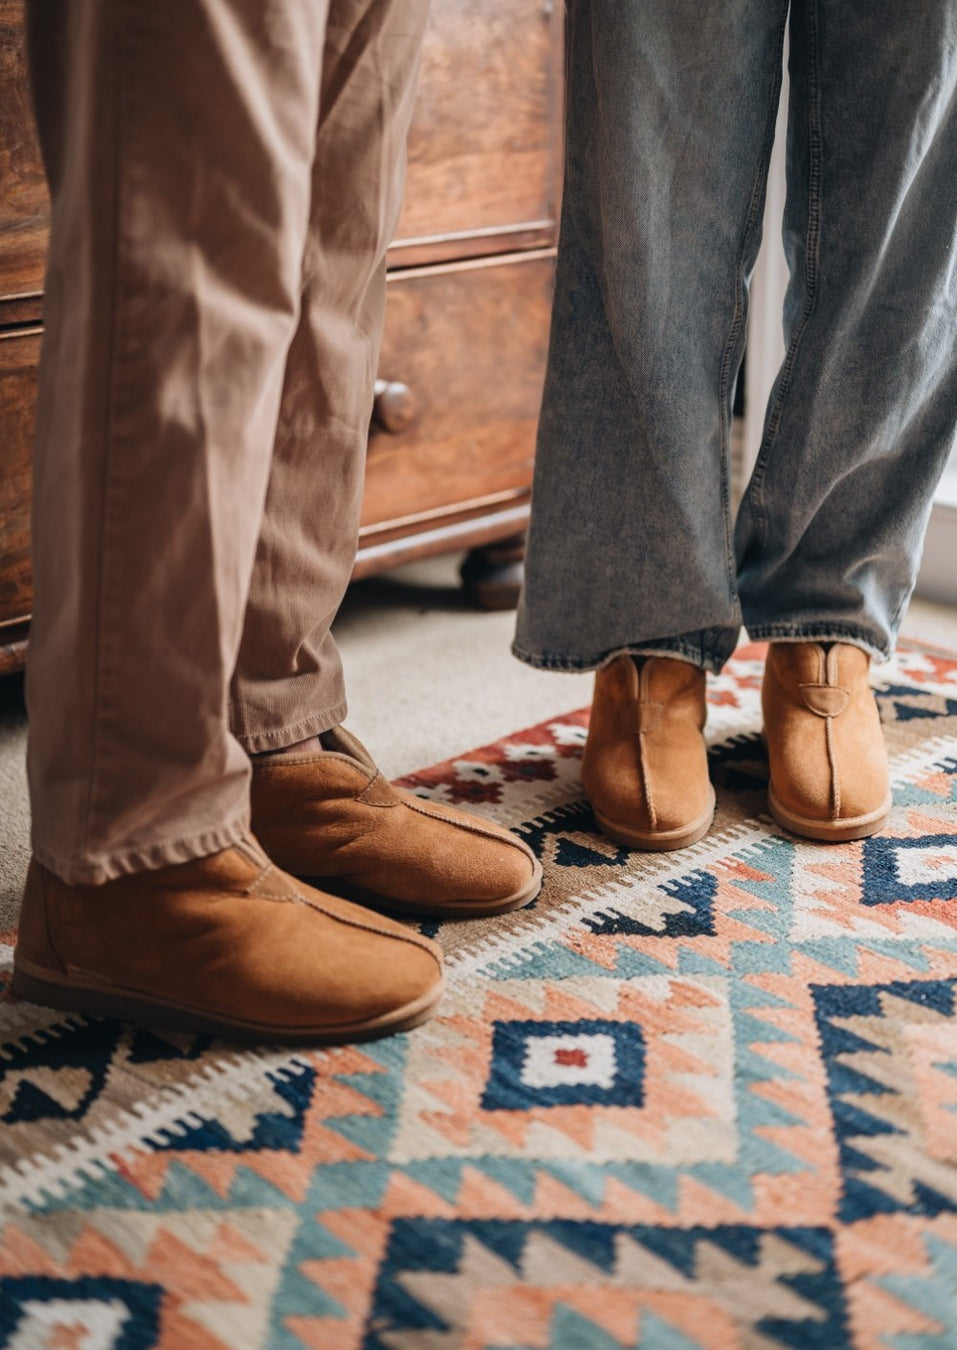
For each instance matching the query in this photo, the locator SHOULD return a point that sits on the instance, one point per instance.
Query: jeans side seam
(119, 130)
(898, 616)
(812, 247)
(737, 321)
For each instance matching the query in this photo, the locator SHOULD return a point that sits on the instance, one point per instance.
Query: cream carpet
(428, 677)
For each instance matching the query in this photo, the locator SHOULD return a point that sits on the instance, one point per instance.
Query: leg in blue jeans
(671, 110)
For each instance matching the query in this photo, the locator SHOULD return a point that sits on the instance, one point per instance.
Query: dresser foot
(492, 575)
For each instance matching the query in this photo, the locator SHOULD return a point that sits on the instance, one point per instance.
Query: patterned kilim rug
(704, 1099)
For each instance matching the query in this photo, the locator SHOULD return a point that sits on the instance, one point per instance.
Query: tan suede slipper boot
(226, 945)
(330, 815)
(829, 774)
(645, 765)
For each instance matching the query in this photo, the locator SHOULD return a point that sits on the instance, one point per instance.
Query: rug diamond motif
(703, 1100)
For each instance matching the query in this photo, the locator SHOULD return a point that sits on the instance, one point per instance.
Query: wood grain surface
(19, 354)
(469, 294)
(469, 341)
(24, 205)
(484, 144)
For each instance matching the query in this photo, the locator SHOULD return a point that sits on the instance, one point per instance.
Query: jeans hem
(572, 665)
(167, 853)
(258, 742)
(821, 632)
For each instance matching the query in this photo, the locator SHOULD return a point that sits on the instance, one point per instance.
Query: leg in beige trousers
(288, 680)
(225, 178)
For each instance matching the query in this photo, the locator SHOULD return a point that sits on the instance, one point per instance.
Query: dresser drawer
(24, 206)
(484, 149)
(468, 342)
(485, 144)
(19, 355)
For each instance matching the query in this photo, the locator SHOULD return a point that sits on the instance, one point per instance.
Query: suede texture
(231, 937)
(645, 764)
(826, 748)
(333, 816)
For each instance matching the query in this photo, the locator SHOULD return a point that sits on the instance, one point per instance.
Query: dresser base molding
(492, 575)
(13, 648)
(450, 536)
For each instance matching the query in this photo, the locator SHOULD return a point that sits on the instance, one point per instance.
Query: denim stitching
(570, 149)
(898, 615)
(699, 656)
(820, 632)
(812, 245)
(737, 321)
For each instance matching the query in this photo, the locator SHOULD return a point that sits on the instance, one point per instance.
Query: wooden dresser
(470, 276)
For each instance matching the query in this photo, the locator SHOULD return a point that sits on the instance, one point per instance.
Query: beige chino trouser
(225, 179)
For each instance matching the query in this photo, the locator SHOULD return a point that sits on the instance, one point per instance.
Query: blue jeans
(671, 108)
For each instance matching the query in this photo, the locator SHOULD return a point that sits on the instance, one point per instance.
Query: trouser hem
(256, 742)
(821, 632)
(164, 853)
(695, 656)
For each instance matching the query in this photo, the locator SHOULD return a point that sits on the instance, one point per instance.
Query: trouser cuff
(257, 742)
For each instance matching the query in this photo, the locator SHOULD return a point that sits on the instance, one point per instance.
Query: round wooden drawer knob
(394, 409)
